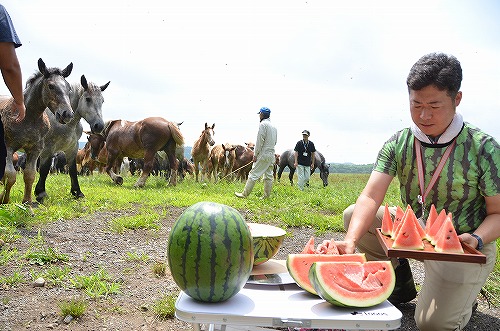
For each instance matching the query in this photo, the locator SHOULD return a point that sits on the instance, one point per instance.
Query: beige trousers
(450, 288)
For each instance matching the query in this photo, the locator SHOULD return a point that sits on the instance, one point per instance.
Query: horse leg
(29, 178)
(280, 171)
(40, 192)
(109, 169)
(196, 169)
(290, 176)
(73, 175)
(9, 178)
(149, 157)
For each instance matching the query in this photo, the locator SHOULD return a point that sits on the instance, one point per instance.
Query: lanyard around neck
(435, 176)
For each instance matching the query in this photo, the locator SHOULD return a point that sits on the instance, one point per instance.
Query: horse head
(90, 104)
(96, 142)
(55, 90)
(209, 134)
(324, 168)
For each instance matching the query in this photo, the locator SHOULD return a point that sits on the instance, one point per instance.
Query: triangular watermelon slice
(387, 223)
(436, 226)
(408, 236)
(430, 220)
(447, 238)
(413, 217)
(309, 247)
(397, 221)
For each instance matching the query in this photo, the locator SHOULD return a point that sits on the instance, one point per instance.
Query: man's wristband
(479, 241)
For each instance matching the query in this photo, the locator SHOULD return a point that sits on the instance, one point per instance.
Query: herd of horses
(52, 126)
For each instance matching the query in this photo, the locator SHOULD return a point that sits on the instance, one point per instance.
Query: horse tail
(176, 134)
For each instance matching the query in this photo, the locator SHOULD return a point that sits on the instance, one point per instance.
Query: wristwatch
(479, 241)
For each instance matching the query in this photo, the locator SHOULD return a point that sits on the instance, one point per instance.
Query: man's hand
(346, 247)
(21, 111)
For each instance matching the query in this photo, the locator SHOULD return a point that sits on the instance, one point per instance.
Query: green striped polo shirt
(471, 172)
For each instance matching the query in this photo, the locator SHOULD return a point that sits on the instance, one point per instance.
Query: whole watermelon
(210, 252)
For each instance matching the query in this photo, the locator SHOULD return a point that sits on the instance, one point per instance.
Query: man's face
(432, 110)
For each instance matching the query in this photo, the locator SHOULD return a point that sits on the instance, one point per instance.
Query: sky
(335, 68)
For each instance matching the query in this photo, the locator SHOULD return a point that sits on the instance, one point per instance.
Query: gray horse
(86, 101)
(46, 88)
(287, 160)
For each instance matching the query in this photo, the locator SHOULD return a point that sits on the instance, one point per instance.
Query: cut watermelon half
(447, 238)
(351, 284)
(298, 266)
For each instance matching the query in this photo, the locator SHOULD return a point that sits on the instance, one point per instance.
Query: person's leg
(450, 290)
(301, 177)
(268, 181)
(259, 167)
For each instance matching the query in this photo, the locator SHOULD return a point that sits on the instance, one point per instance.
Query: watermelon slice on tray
(387, 223)
(447, 238)
(430, 220)
(431, 235)
(408, 236)
(397, 221)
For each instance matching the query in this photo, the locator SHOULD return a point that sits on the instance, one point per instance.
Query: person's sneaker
(404, 290)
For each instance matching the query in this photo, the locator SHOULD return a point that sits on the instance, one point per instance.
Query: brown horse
(221, 161)
(244, 161)
(142, 139)
(46, 88)
(200, 150)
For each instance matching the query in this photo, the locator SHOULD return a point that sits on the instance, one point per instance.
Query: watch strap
(479, 241)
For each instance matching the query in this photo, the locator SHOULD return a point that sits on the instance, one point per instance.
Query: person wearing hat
(304, 159)
(263, 158)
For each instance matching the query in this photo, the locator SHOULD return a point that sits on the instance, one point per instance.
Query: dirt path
(91, 246)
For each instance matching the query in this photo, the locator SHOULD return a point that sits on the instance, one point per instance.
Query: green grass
(74, 307)
(318, 208)
(164, 307)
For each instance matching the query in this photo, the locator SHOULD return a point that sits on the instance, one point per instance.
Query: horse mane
(197, 143)
(38, 74)
(107, 125)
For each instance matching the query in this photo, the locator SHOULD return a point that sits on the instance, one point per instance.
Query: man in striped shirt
(467, 185)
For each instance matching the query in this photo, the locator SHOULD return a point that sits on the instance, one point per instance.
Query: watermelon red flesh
(447, 239)
(210, 252)
(353, 284)
(397, 221)
(387, 224)
(430, 220)
(408, 236)
(436, 226)
(298, 266)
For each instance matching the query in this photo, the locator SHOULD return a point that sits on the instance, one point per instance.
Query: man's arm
(489, 230)
(12, 75)
(365, 210)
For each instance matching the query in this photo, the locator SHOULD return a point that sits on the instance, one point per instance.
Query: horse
(287, 159)
(86, 100)
(200, 150)
(141, 139)
(221, 161)
(46, 88)
(243, 161)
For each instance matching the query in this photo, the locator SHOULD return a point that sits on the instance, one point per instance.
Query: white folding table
(260, 306)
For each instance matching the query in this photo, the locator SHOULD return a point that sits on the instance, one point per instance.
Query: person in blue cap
(263, 158)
